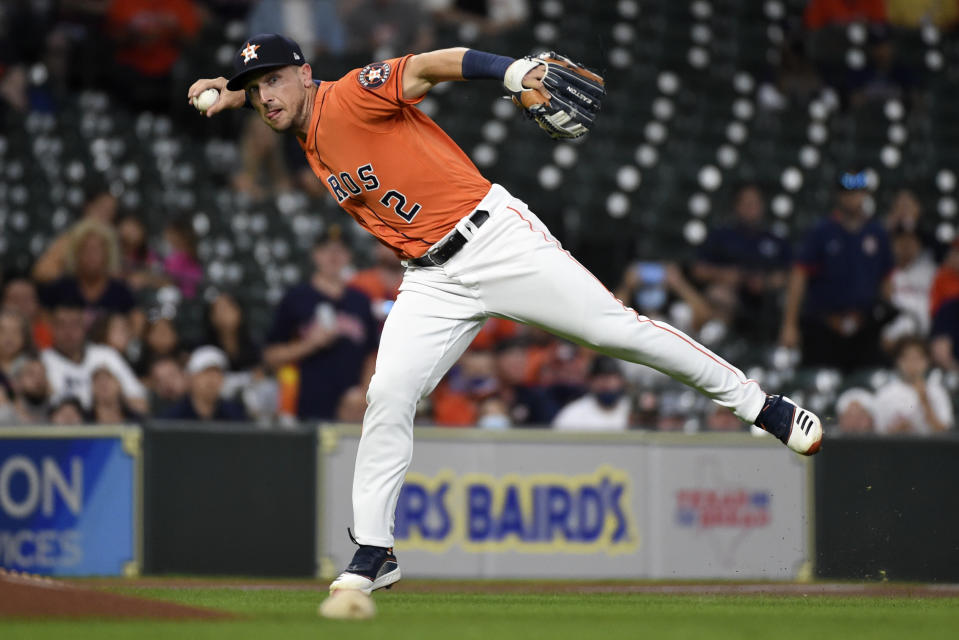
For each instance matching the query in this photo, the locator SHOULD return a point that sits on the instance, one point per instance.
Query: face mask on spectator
(608, 398)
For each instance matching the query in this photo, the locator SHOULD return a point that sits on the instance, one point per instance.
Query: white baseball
(348, 604)
(205, 100)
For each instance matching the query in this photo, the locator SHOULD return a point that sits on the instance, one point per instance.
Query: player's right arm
(227, 100)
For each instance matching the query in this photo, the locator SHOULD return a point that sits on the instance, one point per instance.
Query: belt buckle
(429, 255)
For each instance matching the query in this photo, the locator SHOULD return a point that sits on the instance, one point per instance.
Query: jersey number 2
(400, 201)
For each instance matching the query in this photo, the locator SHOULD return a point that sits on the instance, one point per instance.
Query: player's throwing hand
(227, 100)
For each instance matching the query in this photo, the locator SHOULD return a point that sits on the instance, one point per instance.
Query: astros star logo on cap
(249, 52)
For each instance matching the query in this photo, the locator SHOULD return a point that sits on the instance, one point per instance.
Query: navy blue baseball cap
(260, 52)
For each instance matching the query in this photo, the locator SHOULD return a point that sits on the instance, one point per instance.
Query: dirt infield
(33, 597)
(838, 589)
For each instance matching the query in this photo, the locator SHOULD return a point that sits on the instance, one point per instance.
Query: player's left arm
(426, 70)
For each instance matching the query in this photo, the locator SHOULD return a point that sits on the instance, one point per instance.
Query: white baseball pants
(512, 267)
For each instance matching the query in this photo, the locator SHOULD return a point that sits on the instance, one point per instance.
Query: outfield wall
(236, 499)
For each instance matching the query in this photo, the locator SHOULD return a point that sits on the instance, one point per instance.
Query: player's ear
(306, 75)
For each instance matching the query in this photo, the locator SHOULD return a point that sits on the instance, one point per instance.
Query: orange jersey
(391, 167)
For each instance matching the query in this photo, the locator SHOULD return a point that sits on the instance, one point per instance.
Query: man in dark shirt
(326, 329)
(202, 401)
(838, 283)
(747, 257)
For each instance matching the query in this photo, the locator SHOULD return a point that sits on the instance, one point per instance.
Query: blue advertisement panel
(68, 504)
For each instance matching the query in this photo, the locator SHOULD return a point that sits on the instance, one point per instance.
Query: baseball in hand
(205, 100)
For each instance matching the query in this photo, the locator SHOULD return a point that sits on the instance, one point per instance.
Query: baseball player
(471, 250)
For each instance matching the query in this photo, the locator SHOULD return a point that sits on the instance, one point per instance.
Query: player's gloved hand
(227, 100)
(564, 102)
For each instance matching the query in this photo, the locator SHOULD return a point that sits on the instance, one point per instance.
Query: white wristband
(513, 79)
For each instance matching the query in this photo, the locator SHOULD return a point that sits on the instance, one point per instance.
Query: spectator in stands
(487, 18)
(66, 411)
(722, 419)
(92, 266)
(661, 290)
(180, 262)
(856, 411)
(227, 328)
(381, 281)
(386, 28)
(914, 402)
(824, 13)
(457, 398)
(314, 24)
(884, 77)
(13, 87)
(100, 206)
(32, 391)
(826, 41)
(116, 331)
(944, 308)
(138, 263)
(206, 368)
(167, 383)
(71, 361)
(912, 14)
(529, 404)
(840, 279)
(905, 211)
(20, 38)
(793, 81)
(149, 37)
(108, 404)
(493, 414)
(160, 339)
(20, 295)
(263, 167)
(561, 367)
(15, 343)
(606, 407)
(748, 260)
(910, 285)
(326, 329)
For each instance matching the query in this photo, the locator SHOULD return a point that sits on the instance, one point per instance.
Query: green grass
(285, 614)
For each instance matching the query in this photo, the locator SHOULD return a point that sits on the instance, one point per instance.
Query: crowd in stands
(866, 288)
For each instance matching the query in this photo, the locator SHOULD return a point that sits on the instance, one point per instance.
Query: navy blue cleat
(797, 428)
(372, 568)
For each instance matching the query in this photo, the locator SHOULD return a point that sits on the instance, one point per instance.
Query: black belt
(442, 251)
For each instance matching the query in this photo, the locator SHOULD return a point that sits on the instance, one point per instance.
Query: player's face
(278, 96)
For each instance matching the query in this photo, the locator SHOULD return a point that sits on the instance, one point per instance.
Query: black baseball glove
(567, 104)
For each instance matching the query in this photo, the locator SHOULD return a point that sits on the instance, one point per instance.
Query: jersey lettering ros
(386, 163)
